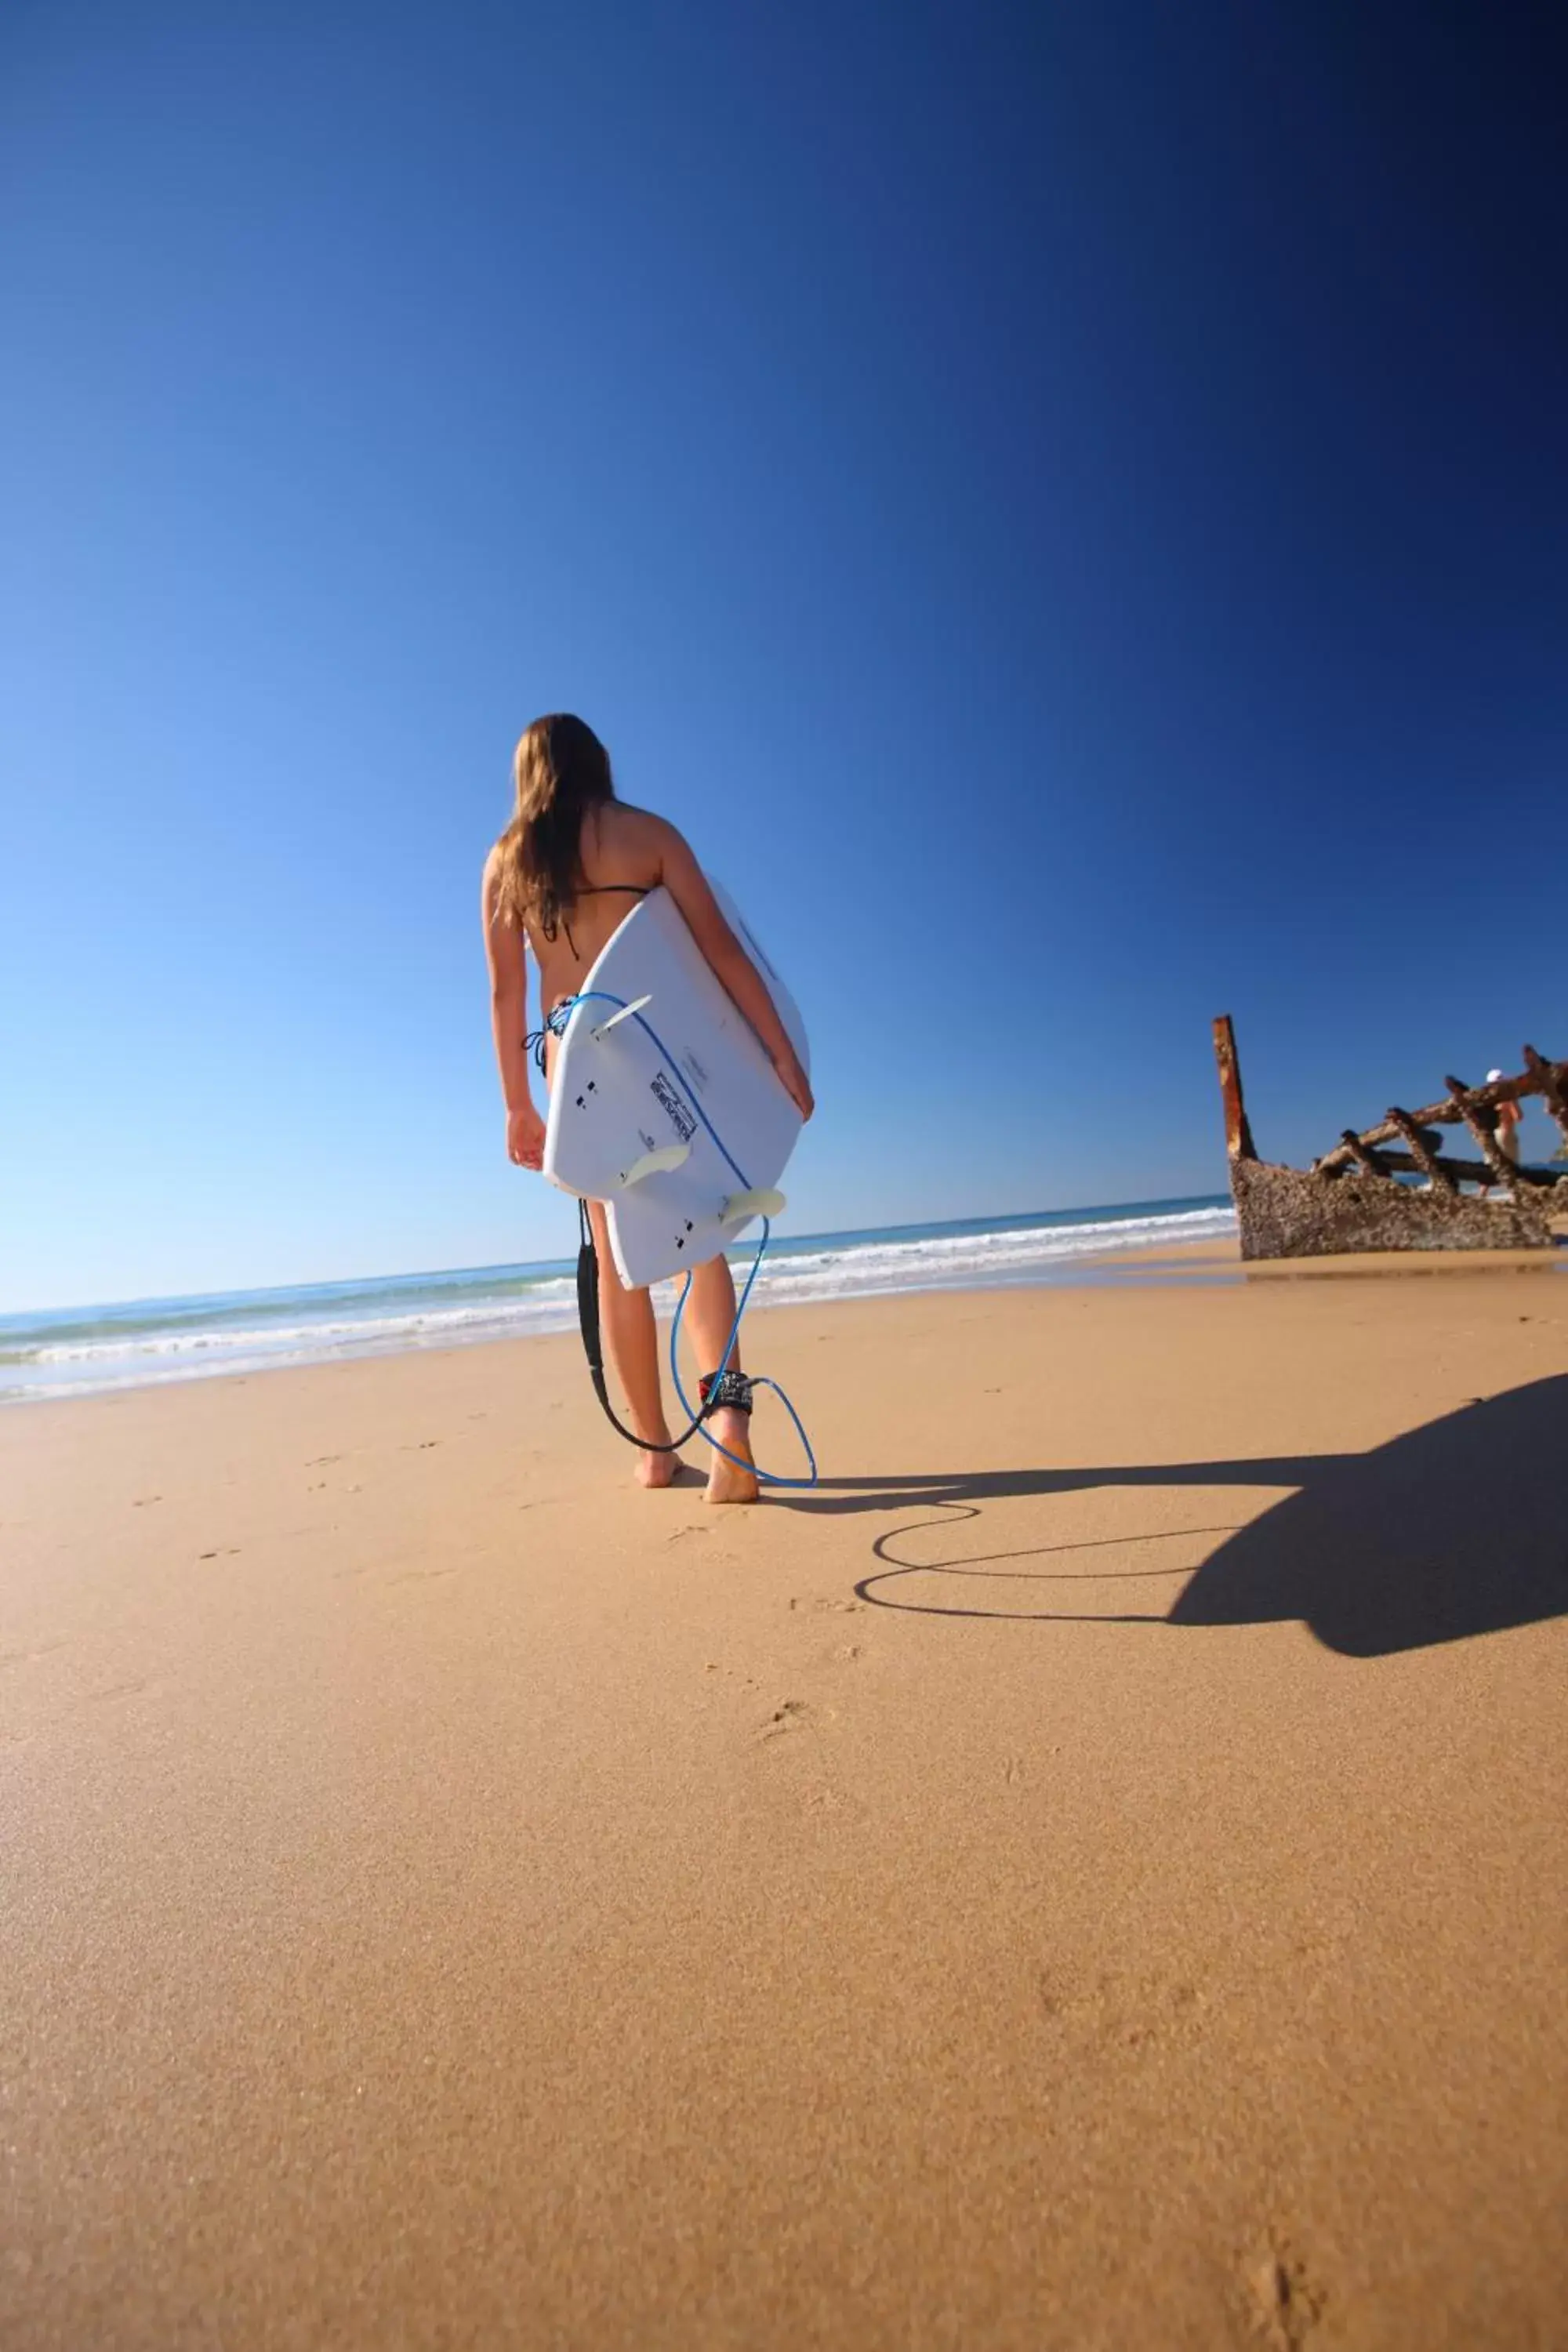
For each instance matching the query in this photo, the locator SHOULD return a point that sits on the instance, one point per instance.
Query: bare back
(622, 855)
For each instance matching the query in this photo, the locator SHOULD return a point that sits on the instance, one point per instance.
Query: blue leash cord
(557, 1020)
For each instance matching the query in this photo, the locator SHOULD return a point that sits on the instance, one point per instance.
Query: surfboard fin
(654, 1163)
(624, 1014)
(763, 1203)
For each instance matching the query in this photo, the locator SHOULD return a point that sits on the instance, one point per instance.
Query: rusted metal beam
(1501, 1166)
(1367, 1161)
(1536, 1081)
(1475, 1172)
(1548, 1076)
(1421, 1151)
(1238, 1142)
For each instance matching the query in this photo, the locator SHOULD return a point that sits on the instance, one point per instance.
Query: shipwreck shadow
(1456, 1528)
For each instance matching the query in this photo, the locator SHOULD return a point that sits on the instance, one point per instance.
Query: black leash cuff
(729, 1391)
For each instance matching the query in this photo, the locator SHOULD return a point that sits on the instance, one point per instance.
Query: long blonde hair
(561, 770)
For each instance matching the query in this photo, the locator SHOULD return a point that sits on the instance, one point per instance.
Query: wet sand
(1091, 1877)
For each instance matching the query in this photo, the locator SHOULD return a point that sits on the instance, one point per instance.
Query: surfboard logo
(681, 1118)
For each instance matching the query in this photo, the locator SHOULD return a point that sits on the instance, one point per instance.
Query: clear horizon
(1063, 508)
(783, 1242)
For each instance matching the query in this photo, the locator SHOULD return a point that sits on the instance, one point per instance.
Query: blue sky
(1066, 507)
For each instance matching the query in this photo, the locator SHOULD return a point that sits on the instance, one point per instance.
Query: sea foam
(91, 1350)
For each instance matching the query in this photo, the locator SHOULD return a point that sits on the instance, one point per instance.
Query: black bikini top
(597, 891)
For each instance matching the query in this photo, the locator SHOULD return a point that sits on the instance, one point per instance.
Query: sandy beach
(1091, 1875)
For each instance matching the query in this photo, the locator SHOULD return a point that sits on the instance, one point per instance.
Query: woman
(562, 876)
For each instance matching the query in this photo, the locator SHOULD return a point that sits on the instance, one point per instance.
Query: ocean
(84, 1350)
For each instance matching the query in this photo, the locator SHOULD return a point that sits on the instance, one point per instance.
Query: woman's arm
(687, 885)
(507, 957)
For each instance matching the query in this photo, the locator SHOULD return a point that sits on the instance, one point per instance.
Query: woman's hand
(796, 1085)
(525, 1137)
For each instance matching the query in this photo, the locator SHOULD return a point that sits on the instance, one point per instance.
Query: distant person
(1507, 1121)
(560, 879)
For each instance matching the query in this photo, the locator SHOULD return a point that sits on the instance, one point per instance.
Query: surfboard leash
(588, 1323)
(588, 1295)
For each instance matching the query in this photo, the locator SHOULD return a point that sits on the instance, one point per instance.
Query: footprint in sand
(320, 1461)
(840, 1608)
(1286, 2304)
(1117, 2012)
(24, 1657)
(788, 1716)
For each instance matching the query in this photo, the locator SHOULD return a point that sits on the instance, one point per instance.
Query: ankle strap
(727, 1391)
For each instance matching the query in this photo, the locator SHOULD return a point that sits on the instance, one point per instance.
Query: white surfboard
(623, 1126)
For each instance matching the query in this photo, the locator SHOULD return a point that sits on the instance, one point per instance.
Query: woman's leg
(709, 1317)
(631, 1337)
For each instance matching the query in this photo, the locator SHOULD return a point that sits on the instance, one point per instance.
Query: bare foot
(727, 1481)
(656, 1470)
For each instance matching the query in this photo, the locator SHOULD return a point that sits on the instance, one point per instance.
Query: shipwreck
(1393, 1187)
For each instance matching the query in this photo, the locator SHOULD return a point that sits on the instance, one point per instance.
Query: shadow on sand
(1456, 1528)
